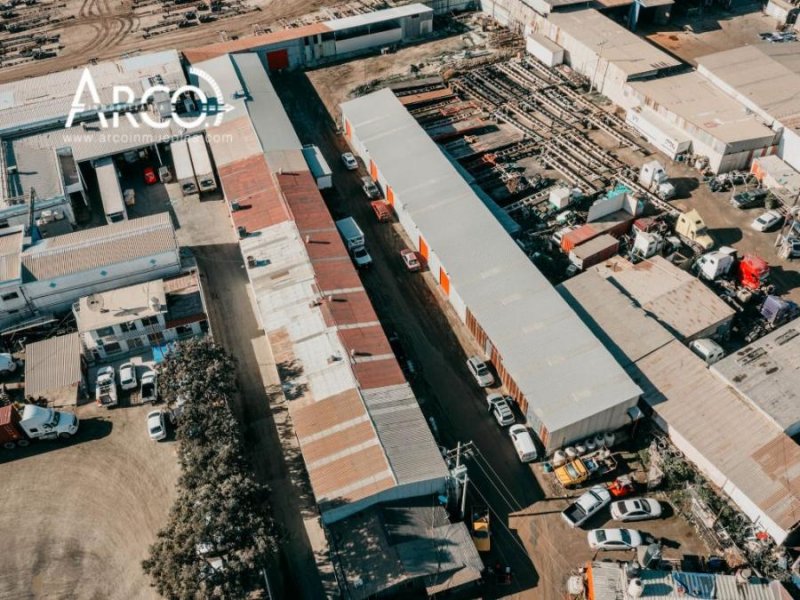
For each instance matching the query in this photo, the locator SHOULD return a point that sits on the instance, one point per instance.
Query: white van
(523, 442)
(707, 349)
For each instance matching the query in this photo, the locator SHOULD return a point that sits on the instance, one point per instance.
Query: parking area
(78, 518)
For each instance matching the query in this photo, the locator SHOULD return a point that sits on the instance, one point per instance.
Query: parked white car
(635, 509)
(765, 222)
(149, 388)
(156, 428)
(500, 407)
(614, 539)
(480, 371)
(127, 376)
(523, 443)
(349, 161)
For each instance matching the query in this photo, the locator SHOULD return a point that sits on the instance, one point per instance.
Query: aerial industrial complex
(488, 304)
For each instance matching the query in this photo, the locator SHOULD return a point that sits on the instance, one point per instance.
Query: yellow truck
(581, 469)
(481, 531)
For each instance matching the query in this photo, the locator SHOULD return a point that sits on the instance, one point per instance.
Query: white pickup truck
(577, 513)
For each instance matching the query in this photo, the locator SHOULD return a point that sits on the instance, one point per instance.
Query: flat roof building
(732, 443)
(566, 382)
(720, 127)
(602, 50)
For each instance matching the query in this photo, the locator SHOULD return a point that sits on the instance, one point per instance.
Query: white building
(719, 127)
(565, 381)
(125, 320)
(605, 52)
(765, 78)
(45, 278)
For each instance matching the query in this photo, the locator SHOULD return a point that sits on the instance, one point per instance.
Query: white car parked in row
(635, 509)
(156, 427)
(765, 222)
(500, 407)
(149, 387)
(127, 376)
(350, 162)
(614, 539)
(480, 371)
(523, 442)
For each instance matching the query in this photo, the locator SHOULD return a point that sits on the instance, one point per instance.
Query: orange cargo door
(373, 170)
(390, 195)
(444, 281)
(423, 248)
(348, 129)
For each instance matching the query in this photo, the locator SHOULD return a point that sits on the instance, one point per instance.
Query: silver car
(635, 509)
(480, 371)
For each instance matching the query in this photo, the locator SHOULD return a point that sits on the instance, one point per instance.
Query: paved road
(206, 229)
(432, 337)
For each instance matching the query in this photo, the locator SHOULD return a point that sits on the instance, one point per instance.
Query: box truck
(202, 164)
(354, 240)
(184, 172)
(35, 423)
(110, 191)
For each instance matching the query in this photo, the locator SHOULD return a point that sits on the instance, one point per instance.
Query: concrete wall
(367, 42)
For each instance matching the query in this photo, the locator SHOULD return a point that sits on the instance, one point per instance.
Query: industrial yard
(497, 303)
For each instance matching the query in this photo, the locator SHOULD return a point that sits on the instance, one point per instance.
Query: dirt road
(77, 520)
(105, 30)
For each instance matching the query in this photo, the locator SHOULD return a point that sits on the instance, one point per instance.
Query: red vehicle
(150, 176)
(622, 486)
(753, 272)
(382, 211)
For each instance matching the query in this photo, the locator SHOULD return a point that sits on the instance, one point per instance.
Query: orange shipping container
(578, 236)
(423, 248)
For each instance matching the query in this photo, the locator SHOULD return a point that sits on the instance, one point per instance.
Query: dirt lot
(77, 520)
(102, 29)
(714, 31)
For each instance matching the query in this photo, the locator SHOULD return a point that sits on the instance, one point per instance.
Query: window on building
(156, 338)
(134, 343)
(105, 332)
(204, 326)
(126, 327)
(9, 296)
(112, 348)
(183, 330)
(149, 321)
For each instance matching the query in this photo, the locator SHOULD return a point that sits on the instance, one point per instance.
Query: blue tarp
(696, 585)
(161, 352)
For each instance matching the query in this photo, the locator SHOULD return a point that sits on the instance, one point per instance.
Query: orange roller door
(423, 248)
(390, 195)
(348, 130)
(444, 281)
(373, 170)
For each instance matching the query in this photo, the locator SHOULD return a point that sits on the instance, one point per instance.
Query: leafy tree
(217, 538)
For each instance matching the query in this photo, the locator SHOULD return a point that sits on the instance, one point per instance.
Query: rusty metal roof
(98, 247)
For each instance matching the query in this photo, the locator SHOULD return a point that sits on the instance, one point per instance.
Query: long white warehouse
(564, 380)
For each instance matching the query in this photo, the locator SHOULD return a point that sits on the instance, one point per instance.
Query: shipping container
(184, 172)
(110, 191)
(318, 166)
(617, 224)
(202, 163)
(9, 428)
(594, 251)
(578, 236)
(546, 51)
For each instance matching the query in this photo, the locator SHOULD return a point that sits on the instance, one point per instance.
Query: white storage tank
(546, 51)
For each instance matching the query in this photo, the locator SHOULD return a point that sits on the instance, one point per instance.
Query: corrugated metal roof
(561, 368)
(762, 463)
(378, 16)
(10, 252)
(100, 246)
(271, 122)
(767, 372)
(696, 100)
(404, 433)
(607, 38)
(610, 582)
(766, 74)
(53, 369)
(679, 300)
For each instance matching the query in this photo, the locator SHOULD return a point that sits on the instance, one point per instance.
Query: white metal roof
(612, 41)
(378, 16)
(562, 369)
(696, 100)
(767, 372)
(53, 369)
(768, 75)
